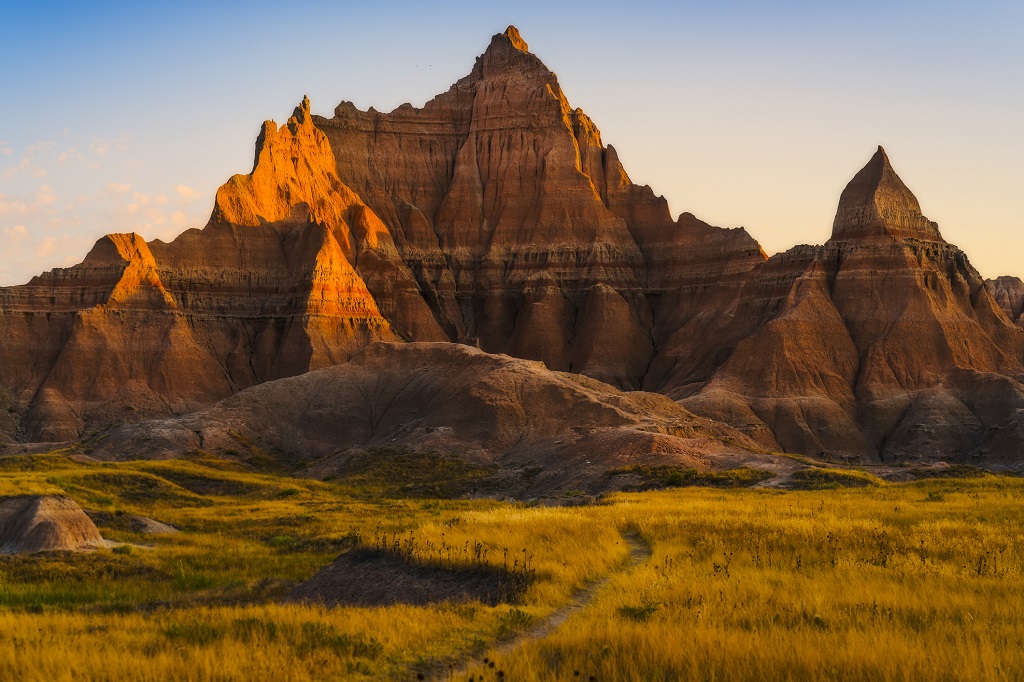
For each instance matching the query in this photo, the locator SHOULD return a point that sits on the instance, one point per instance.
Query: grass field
(920, 580)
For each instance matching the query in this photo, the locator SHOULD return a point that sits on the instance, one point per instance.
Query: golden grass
(886, 582)
(919, 581)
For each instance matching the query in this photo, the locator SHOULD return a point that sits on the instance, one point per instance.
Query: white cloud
(45, 195)
(10, 206)
(186, 193)
(45, 247)
(14, 170)
(118, 187)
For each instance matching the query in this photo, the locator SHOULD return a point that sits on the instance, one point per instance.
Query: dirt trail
(639, 552)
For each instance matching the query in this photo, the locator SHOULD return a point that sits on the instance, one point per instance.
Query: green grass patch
(403, 473)
(675, 477)
(952, 471)
(820, 478)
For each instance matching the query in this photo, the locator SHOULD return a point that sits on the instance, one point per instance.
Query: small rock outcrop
(1009, 294)
(45, 523)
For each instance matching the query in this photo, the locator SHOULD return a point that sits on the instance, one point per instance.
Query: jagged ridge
(495, 216)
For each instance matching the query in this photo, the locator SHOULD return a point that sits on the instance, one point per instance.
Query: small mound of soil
(371, 577)
(43, 523)
(131, 523)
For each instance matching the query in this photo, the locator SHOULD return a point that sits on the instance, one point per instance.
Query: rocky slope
(1009, 294)
(524, 231)
(270, 287)
(492, 216)
(883, 343)
(495, 216)
(541, 431)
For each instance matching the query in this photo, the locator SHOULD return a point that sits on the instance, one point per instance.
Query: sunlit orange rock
(495, 216)
(270, 288)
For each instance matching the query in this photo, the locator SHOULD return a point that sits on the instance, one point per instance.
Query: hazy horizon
(123, 118)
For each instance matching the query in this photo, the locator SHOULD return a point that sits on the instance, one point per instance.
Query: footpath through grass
(922, 580)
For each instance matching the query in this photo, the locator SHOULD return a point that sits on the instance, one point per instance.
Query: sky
(127, 116)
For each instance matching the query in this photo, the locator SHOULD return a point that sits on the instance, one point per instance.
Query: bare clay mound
(45, 523)
(370, 577)
(542, 431)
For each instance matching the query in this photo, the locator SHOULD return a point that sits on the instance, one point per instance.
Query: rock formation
(883, 343)
(495, 216)
(524, 231)
(43, 523)
(565, 430)
(492, 216)
(271, 287)
(1009, 294)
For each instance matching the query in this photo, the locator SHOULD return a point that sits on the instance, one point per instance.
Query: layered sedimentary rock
(883, 343)
(1009, 294)
(45, 523)
(271, 287)
(495, 216)
(524, 231)
(563, 430)
(492, 216)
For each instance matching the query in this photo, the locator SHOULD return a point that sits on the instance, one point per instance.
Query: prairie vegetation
(919, 580)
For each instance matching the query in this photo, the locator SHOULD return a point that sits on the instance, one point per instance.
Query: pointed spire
(508, 53)
(512, 33)
(877, 203)
(301, 113)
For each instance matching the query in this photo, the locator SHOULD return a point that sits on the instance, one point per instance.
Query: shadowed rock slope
(524, 232)
(537, 431)
(883, 343)
(495, 216)
(492, 216)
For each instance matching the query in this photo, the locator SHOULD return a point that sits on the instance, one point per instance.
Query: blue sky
(123, 117)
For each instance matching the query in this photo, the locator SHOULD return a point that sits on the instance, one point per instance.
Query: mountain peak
(512, 33)
(301, 113)
(509, 55)
(877, 203)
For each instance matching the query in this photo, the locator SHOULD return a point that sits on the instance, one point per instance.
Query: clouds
(186, 193)
(56, 200)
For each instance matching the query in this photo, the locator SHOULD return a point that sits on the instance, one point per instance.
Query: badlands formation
(495, 218)
(45, 523)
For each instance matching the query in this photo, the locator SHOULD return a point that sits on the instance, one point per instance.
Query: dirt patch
(41, 523)
(371, 577)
